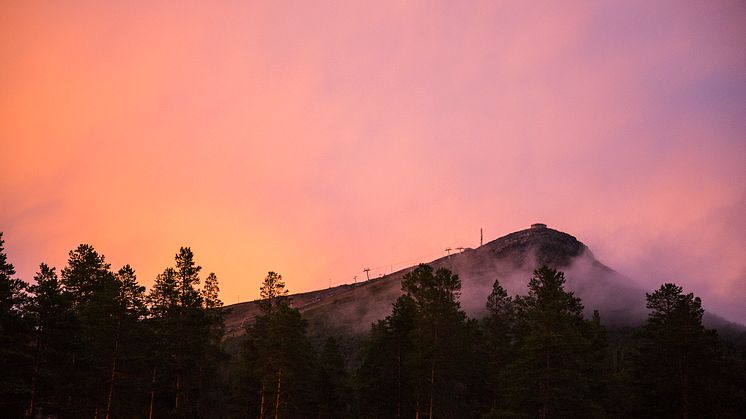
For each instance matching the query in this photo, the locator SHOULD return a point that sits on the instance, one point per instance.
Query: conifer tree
(272, 293)
(93, 292)
(184, 334)
(549, 376)
(440, 335)
(15, 359)
(386, 378)
(211, 291)
(127, 353)
(498, 326)
(677, 367)
(280, 355)
(50, 312)
(419, 356)
(333, 382)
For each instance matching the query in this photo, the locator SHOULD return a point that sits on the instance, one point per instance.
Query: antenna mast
(481, 237)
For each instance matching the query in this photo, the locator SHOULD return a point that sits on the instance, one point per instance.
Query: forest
(88, 341)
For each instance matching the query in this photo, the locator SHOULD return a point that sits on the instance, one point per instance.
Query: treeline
(91, 342)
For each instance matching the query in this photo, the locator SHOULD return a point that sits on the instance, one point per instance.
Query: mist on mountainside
(510, 259)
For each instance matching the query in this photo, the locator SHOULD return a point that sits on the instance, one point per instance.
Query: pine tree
(417, 360)
(549, 376)
(333, 382)
(280, 356)
(498, 326)
(15, 359)
(163, 305)
(272, 293)
(126, 358)
(440, 336)
(386, 378)
(93, 292)
(187, 339)
(51, 314)
(211, 291)
(677, 366)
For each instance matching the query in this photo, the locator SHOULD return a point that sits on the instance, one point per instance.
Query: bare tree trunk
(277, 399)
(69, 389)
(35, 377)
(178, 388)
(432, 390)
(544, 412)
(261, 405)
(113, 370)
(398, 384)
(152, 395)
(684, 390)
(417, 412)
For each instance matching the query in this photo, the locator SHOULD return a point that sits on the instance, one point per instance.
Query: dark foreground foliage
(89, 341)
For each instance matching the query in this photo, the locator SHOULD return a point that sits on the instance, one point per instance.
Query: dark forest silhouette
(90, 342)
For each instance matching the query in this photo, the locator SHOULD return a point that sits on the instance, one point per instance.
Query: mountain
(350, 309)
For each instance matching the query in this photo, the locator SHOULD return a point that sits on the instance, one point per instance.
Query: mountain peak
(548, 246)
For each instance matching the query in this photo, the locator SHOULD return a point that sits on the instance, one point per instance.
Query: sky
(316, 139)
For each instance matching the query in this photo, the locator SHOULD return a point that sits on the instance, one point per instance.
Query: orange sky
(319, 138)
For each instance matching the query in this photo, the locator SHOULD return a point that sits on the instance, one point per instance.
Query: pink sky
(319, 138)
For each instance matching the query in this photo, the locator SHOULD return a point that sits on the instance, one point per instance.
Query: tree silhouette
(678, 362)
(15, 359)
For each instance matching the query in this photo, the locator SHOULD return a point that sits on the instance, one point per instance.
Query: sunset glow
(316, 139)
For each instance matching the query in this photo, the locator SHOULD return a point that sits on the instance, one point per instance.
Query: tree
(279, 355)
(211, 291)
(130, 309)
(498, 326)
(333, 382)
(386, 378)
(549, 376)
(187, 278)
(93, 292)
(88, 277)
(419, 356)
(677, 367)
(272, 293)
(183, 358)
(440, 336)
(50, 311)
(15, 359)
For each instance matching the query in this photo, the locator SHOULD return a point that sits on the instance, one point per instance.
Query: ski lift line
(408, 262)
(373, 271)
(415, 259)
